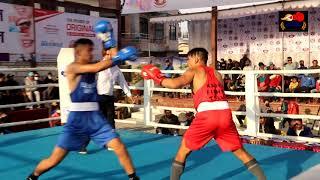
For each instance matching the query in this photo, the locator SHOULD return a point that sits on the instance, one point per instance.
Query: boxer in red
(213, 119)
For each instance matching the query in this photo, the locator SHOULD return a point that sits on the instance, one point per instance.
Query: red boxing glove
(152, 72)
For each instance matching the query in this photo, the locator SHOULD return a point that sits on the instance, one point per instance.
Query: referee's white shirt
(108, 78)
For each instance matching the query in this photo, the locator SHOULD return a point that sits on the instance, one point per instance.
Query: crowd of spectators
(29, 93)
(293, 83)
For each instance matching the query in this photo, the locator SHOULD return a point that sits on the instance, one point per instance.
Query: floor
(152, 155)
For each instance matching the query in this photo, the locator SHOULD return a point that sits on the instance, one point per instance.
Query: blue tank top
(86, 90)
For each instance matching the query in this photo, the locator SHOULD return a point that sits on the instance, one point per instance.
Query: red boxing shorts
(217, 124)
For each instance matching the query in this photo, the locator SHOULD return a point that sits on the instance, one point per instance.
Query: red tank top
(211, 91)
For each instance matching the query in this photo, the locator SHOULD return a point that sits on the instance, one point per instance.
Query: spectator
(231, 86)
(317, 89)
(3, 119)
(241, 118)
(2, 80)
(55, 112)
(266, 108)
(168, 118)
(168, 66)
(229, 64)
(267, 125)
(298, 129)
(3, 95)
(272, 67)
(283, 106)
(30, 91)
(275, 83)
(301, 65)
(243, 61)
(37, 78)
(247, 66)
(189, 118)
(49, 79)
(49, 92)
(294, 84)
(288, 66)
(315, 66)
(240, 83)
(223, 64)
(14, 94)
(293, 108)
(226, 81)
(263, 79)
(11, 81)
(236, 67)
(307, 84)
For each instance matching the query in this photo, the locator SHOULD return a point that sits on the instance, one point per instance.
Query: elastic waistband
(217, 105)
(84, 106)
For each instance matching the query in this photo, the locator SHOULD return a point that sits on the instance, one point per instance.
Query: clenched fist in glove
(104, 32)
(152, 72)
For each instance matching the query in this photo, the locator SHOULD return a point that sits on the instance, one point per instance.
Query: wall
(260, 37)
(88, 2)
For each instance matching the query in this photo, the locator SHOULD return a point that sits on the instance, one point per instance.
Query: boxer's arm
(89, 68)
(219, 77)
(179, 82)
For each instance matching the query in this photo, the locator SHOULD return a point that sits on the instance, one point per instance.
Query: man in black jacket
(298, 129)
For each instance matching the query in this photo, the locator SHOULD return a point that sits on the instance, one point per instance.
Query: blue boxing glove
(104, 32)
(126, 54)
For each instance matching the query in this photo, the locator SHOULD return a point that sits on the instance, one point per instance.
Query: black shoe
(32, 177)
(134, 178)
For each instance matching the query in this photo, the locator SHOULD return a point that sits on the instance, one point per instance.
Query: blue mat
(152, 155)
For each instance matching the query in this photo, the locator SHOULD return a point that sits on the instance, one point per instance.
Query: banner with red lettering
(16, 32)
(56, 30)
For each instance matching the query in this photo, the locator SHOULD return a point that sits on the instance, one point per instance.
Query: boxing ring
(152, 153)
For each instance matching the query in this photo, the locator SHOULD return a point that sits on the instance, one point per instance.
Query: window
(77, 10)
(144, 28)
(49, 5)
(172, 32)
(159, 31)
(107, 15)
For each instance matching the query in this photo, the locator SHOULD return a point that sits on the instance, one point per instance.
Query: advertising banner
(56, 30)
(143, 6)
(17, 31)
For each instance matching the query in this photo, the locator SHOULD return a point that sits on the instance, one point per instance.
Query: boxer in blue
(85, 121)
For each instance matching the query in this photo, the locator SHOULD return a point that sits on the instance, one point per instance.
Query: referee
(106, 80)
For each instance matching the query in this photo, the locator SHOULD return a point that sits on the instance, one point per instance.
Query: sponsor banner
(17, 31)
(56, 30)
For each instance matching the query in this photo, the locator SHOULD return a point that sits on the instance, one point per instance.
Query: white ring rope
(29, 122)
(310, 95)
(23, 87)
(290, 116)
(130, 87)
(28, 69)
(28, 104)
(128, 105)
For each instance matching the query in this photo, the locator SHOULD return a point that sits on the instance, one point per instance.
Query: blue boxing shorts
(84, 126)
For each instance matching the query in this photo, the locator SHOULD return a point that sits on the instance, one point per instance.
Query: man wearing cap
(30, 91)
